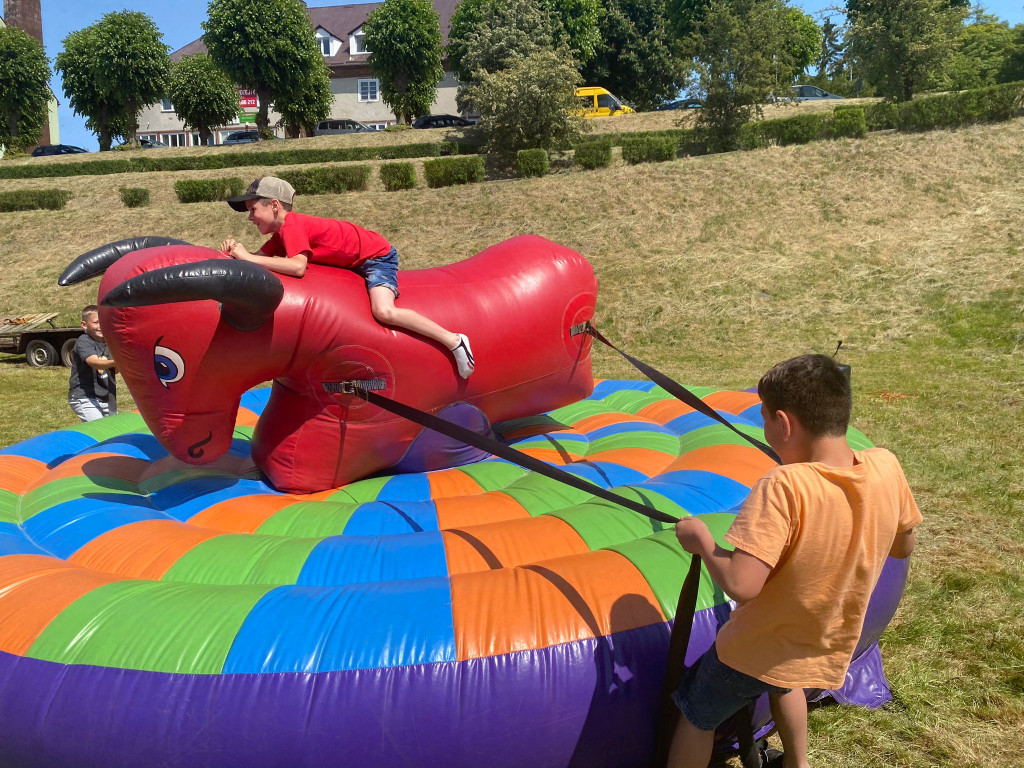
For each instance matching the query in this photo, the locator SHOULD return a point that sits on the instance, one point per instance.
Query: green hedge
(397, 176)
(134, 197)
(270, 157)
(593, 154)
(207, 190)
(532, 162)
(849, 122)
(453, 170)
(330, 180)
(949, 110)
(34, 199)
(681, 136)
(799, 129)
(649, 149)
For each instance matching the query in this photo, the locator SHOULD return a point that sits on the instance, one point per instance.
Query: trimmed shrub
(453, 170)
(593, 154)
(850, 123)
(329, 180)
(532, 162)
(882, 116)
(134, 197)
(799, 129)
(34, 199)
(207, 190)
(949, 110)
(270, 157)
(649, 149)
(397, 176)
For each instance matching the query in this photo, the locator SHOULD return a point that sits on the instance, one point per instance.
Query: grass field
(908, 247)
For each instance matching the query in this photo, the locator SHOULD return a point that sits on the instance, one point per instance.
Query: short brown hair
(92, 309)
(266, 201)
(812, 388)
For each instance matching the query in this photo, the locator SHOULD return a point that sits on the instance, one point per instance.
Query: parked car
(441, 121)
(682, 104)
(152, 143)
(242, 137)
(57, 149)
(329, 127)
(811, 93)
(596, 101)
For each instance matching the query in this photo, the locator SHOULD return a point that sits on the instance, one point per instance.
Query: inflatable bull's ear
(248, 293)
(98, 260)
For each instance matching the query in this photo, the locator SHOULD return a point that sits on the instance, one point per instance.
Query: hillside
(908, 247)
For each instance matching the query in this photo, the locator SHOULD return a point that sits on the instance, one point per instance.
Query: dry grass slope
(907, 247)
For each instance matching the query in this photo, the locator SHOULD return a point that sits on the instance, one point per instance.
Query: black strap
(503, 451)
(682, 393)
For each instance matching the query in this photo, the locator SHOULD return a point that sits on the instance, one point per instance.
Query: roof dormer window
(357, 42)
(327, 44)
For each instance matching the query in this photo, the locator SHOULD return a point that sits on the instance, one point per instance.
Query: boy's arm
(902, 545)
(98, 363)
(739, 573)
(295, 266)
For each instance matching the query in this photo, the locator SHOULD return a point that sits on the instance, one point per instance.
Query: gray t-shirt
(87, 382)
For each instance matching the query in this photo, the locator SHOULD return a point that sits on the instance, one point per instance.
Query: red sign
(247, 99)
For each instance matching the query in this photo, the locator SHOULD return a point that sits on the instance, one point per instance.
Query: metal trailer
(41, 345)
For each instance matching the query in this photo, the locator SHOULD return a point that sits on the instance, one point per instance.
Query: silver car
(343, 125)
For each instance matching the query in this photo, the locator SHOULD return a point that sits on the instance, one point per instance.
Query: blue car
(682, 104)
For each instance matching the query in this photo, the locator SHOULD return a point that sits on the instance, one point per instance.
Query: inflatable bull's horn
(248, 293)
(98, 260)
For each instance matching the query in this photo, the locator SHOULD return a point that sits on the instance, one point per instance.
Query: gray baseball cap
(269, 187)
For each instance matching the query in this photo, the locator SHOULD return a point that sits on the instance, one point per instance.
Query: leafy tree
(686, 19)
(111, 70)
(902, 45)
(265, 45)
(741, 46)
(24, 95)
(635, 58)
(404, 37)
(310, 106)
(829, 62)
(506, 32)
(982, 49)
(1013, 66)
(528, 104)
(203, 95)
(572, 23)
(578, 29)
(800, 37)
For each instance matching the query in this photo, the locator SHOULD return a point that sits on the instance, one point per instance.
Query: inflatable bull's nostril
(232, 325)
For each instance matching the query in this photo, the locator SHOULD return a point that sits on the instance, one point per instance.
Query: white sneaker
(463, 356)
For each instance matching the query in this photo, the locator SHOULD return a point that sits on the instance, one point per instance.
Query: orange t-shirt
(826, 532)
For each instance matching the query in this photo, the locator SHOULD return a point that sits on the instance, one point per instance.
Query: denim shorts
(712, 692)
(382, 270)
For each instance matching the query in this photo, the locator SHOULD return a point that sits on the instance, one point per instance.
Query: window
(377, 126)
(166, 106)
(369, 89)
(357, 42)
(607, 101)
(148, 136)
(325, 41)
(175, 139)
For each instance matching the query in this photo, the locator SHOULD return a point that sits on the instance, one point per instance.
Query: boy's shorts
(711, 692)
(382, 270)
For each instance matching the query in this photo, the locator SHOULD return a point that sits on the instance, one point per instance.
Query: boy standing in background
(92, 390)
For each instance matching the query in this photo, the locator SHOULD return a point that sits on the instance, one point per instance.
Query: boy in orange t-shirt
(810, 543)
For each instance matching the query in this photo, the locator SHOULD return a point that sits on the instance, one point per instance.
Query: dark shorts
(712, 692)
(382, 270)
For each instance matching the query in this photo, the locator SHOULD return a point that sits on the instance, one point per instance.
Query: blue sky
(179, 21)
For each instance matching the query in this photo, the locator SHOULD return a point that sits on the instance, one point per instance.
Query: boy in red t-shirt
(810, 543)
(302, 240)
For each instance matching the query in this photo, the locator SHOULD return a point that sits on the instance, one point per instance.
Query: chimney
(26, 15)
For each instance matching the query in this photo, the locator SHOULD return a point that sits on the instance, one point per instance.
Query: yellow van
(596, 101)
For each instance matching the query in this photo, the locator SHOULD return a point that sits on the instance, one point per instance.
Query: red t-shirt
(331, 242)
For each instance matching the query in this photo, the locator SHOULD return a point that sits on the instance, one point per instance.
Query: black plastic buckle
(353, 386)
(576, 330)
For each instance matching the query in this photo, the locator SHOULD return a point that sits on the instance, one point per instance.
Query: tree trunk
(205, 135)
(133, 122)
(908, 89)
(263, 116)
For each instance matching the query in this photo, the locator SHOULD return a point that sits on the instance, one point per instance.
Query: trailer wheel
(39, 353)
(67, 353)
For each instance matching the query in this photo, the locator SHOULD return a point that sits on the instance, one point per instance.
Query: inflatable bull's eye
(168, 365)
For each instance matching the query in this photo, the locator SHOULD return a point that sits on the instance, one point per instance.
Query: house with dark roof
(339, 34)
